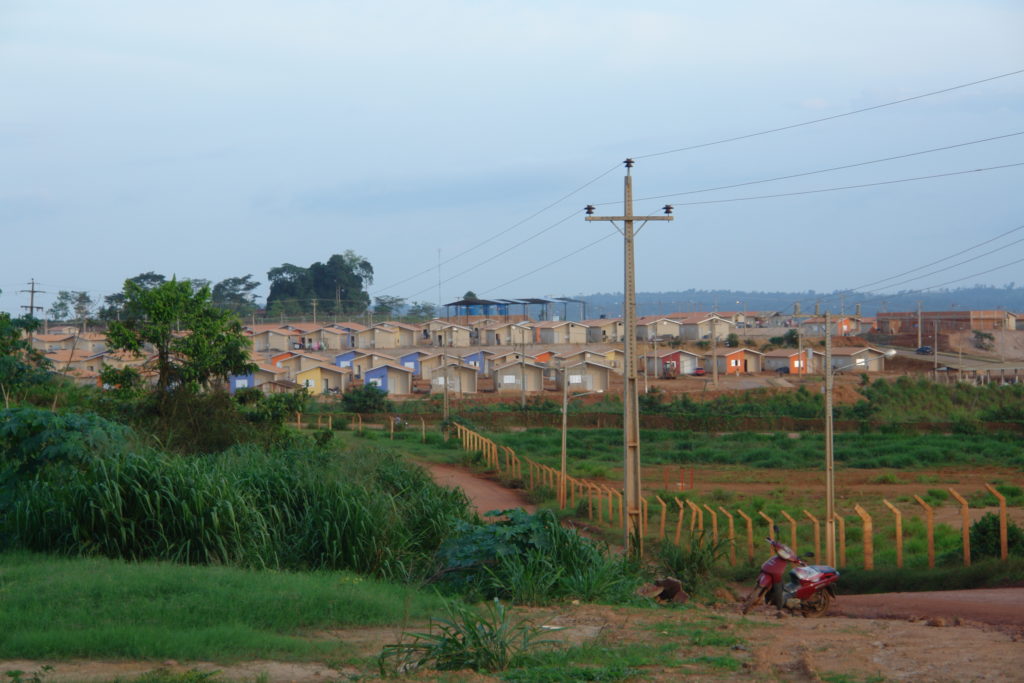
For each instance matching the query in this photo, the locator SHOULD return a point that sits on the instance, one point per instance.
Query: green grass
(63, 608)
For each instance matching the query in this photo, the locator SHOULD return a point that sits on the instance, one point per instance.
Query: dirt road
(995, 606)
(485, 494)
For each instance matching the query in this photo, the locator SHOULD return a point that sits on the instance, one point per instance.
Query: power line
(551, 263)
(497, 234)
(826, 170)
(829, 118)
(847, 187)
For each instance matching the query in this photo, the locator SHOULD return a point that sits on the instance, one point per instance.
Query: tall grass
(296, 508)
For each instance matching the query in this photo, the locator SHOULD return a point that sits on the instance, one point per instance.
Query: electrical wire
(551, 263)
(496, 235)
(830, 118)
(849, 187)
(824, 170)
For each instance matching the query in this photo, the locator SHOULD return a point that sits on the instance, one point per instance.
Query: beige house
(560, 332)
(52, 342)
(512, 376)
(278, 339)
(698, 326)
(857, 359)
(452, 335)
(604, 330)
(297, 363)
(461, 379)
(506, 334)
(393, 378)
(657, 327)
(386, 336)
(585, 376)
(367, 361)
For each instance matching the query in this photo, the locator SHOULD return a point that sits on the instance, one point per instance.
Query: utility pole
(919, 329)
(830, 482)
(32, 291)
(714, 355)
(630, 398)
(314, 311)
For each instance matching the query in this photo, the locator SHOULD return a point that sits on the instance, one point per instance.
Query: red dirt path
(485, 494)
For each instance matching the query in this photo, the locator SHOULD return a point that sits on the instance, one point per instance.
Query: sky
(459, 141)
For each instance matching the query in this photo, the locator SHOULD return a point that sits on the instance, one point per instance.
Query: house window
(410, 364)
(242, 383)
(798, 364)
(376, 381)
(575, 379)
(734, 363)
(508, 379)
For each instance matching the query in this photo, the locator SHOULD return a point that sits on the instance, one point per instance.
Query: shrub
(985, 537)
(693, 562)
(368, 398)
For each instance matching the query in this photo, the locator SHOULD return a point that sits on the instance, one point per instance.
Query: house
(699, 326)
(325, 379)
(366, 361)
(736, 361)
(412, 361)
(346, 331)
(258, 379)
(857, 359)
(945, 321)
(52, 342)
(789, 361)
(586, 376)
(840, 326)
(461, 378)
(481, 360)
(507, 334)
(277, 339)
(91, 342)
(390, 377)
(651, 327)
(513, 376)
(450, 334)
(560, 332)
(345, 359)
(296, 363)
(669, 364)
(75, 363)
(604, 330)
(387, 335)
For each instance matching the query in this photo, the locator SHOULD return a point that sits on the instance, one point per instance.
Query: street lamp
(830, 473)
(563, 474)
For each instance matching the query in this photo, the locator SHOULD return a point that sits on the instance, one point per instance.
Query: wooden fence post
(643, 519)
(622, 515)
(391, 426)
(732, 536)
(679, 520)
(750, 533)
(965, 524)
(423, 430)
(661, 524)
(842, 538)
(792, 529)
(696, 514)
(869, 544)
(298, 420)
(360, 418)
(930, 522)
(817, 532)
(899, 532)
(1003, 539)
(590, 501)
(714, 523)
(771, 523)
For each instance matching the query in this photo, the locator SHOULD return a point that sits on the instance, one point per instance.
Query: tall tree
(387, 305)
(422, 310)
(235, 293)
(114, 303)
(210, 345)
(338, 284)
(61, 308)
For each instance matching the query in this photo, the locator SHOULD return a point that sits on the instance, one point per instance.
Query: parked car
(699, 372)
(924, 350)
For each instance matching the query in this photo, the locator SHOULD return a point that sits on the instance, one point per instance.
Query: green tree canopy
(194, 341)
(338, 285)
(387, 305)
(114, 303)
(235, 293)
(19, 362)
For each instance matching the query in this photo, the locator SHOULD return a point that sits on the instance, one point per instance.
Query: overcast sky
(218, 138)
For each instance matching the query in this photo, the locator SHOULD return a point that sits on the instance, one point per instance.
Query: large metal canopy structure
(505, 307)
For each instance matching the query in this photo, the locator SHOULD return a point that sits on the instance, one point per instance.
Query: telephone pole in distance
(630, 398)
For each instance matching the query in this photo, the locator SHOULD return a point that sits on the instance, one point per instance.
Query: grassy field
(96, 608)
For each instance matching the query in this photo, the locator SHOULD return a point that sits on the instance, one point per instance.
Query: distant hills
(1009, 298)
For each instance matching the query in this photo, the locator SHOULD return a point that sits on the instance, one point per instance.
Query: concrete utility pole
(630, 398)
(32, 291)
(919, 329)
(714, 355)
(830, 481)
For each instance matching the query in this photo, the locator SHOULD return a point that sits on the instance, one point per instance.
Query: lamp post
(563, 473)
(830, 472)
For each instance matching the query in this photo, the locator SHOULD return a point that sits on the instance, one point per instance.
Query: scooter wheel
(817, 605)
(755, 595)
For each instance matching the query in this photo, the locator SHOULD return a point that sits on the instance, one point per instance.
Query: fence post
(869, 544)
(930, 522)
(391, 426)
(298, 420)
(679, 520)
(732, 536)
(899, 532)
(965, 523)
(360, 418)
(622, 518)
(590, 501)
(1003, 540)
(423, 430)
(750, 533)
(714, 523)
(661, 525)
(696, 515)
(792, 529)
(771, 524)
(644, 519)
(817, 532)
(842, 538)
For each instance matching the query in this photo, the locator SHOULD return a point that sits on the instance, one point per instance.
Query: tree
(115, 302)
(83, 305)
(470, 296)
(387, 305)
(338, 285)
(20, 363)
(210, 345)
(422, 310)
(235, 293)
(61, 308)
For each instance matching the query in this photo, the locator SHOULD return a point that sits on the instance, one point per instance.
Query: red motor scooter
(810, 588)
